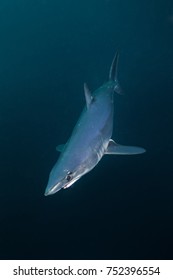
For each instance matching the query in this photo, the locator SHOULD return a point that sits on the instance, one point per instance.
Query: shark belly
(91, 135)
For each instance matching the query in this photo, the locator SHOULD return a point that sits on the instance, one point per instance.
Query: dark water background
(123, 209)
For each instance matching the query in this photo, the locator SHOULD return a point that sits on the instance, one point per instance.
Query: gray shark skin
(91, 137)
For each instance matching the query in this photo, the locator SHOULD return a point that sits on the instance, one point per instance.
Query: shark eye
(69, 176)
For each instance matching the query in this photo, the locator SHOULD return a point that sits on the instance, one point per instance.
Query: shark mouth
(71, 182)
(60, 185)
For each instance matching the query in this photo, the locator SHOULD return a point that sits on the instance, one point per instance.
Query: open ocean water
(123, 209)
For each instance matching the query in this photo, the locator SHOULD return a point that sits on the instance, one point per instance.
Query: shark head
(63, 178)
(64, 181)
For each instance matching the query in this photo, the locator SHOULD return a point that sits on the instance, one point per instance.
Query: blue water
(123, 208)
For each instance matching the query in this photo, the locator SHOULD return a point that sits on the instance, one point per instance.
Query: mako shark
(91, 137)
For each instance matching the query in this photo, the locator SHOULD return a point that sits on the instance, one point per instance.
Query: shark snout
(52, 189)
(47, 192)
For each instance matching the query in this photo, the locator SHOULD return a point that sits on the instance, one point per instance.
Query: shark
(91, 137)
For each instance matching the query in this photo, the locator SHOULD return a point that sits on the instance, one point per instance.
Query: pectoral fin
(116, 149)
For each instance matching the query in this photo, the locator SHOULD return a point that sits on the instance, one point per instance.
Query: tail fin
(113, 73)
(114, 68)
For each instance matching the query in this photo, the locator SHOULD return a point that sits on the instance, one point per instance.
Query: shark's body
(91, 137)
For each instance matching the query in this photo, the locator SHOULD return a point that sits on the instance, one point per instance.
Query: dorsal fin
(88, 95)
(60, 148)
(113, 69)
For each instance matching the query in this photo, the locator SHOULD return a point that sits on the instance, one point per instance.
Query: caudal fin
(114, 68)
(113, 72)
